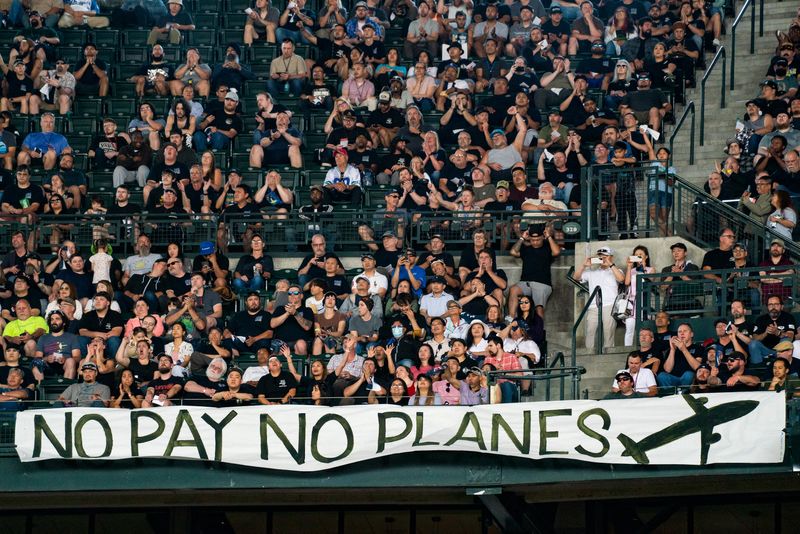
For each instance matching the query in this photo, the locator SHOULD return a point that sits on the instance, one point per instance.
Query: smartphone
(597, 261)
(728, 328)
(634, 259)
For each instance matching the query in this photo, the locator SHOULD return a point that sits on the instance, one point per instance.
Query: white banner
(685, 430)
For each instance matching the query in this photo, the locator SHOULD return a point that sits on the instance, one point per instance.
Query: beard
(57, 327)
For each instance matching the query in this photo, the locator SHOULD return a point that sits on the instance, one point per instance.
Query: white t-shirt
(641, 380)
(609, 287)
(523, 346)
(376, 282)
(435, 306)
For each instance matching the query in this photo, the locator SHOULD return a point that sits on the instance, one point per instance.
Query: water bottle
(368, 178)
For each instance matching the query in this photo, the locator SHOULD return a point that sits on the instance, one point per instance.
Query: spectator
(230, 73)
(169, 26)
(585, 29)
(502, 156)
(624, 388)
(261, 24)
(164, 387)
(343, 181)
(287, 71)
(82, 12)
(682, 361)
(537, 249)
(294, 17)
(91, 73)
(193, 73)
(155, 75)
(218, 131)
(133, 161)
(681, 296)
(607, 276)
(23, 200)
(770, 329)
(45, 146)
(293, 322)
(783, 220)
(57, 89)
(648, 105)
(279, 145)
(19, 88)
(86, 394)
(24, 331)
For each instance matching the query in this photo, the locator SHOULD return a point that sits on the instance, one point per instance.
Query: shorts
(662, 199)
(642, 116)
(540, 293)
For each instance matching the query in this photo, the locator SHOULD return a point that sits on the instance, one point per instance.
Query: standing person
(537, 249)
(634, 268)
(600, 271)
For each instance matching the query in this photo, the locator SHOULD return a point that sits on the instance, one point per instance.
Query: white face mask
(397, 331)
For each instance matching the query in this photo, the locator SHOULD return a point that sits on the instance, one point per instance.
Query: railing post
(691, 139)
(760, 19)
(724, 64)
(752, 28)
(733, 55)
(702, 112)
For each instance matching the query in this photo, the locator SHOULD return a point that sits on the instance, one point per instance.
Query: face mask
(397, 331)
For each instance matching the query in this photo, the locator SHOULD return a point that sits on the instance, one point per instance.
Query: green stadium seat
(51, 388)
(315, 177)
(238, 5)
(81, 161)
(289, 274)
(101, 181)
(240, 160)
(123, 89)
(263, 53)
(207, 20)
(235, 20)
(87, 107)
(79, 143)
(70, 54)
(202, 38)
(106, 39)
(121, 108)
(83, 125)
(133, 54)
(73, 37)
(108, 54)
(136, 37)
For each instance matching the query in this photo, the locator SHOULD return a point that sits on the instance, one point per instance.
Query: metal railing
(739, 17)
(634, 188)
(699, 217)
(689, 109)
(590, 301)
(721, 54)
(546, 375)
(701, 296)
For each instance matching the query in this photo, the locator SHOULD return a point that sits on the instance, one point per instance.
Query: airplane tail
(632, 449)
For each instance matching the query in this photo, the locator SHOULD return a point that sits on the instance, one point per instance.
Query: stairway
(750, 71)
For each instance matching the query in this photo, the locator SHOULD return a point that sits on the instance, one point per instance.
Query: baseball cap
(89, 365)
(318, 188)
(783, 345)
(349, 114)
(388, 233)
(497, 131)
(367, 255)
(232, 95)
(777, 241)
(207, 247)
(769, 83)
(502, 183)
(605, 251)
(555, 9)
(339, 150)
(623, 374)
(436, 280)
(385, 96)
(475, 371)
(67, 300)
(678, 245)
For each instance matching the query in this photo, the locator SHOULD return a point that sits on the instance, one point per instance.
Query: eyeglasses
(293, 292)
(173, 263)
(729, 236)
(524, 302)
(624, 379)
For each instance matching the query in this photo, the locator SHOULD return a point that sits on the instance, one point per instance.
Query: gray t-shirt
(506, 156)
(83, 394)
(62, 345)
(209, 300)
(364, 328)
(140, 264)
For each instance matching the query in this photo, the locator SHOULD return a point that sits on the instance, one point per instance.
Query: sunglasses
(624, 379)
(293, 292)
(173, 263)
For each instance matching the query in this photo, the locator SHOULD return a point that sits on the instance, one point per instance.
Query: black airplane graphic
(704, 420)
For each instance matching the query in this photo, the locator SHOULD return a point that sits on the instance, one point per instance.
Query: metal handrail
(720, 54)
(542, 374)
(589, 302)
(690, 108)
(751, 4)
(575, 282)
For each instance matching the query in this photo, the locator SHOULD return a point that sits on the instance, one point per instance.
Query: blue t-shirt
(44, 141)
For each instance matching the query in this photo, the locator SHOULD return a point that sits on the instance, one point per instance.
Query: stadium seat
(87, 107)
(76, 37)
(106, 39)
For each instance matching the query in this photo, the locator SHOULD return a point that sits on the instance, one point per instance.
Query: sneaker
(716, 43)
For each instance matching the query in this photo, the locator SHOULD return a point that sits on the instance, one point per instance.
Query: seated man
(770, 329)
(287, 71)
(86, 394)
(343, 181)
(648, 105)
(56, 89)
(169, 26)
(25, 330)
(278, 146)
(683, 359)
(164, 387)
(82, 12)
(45, 146)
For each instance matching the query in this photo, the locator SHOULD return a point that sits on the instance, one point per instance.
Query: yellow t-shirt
(30, 325)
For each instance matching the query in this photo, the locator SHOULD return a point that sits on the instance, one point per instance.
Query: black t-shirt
(338, 135)
(180, 285)
(784, 322)
(562, 28)
(18, 197)
(318, 272)
(718, 259)
(536, 264)
(456, 177)
(327, 49)
(27, 380)
(94, 323)
(681, 365)
(143, 373)
(162, 386)
(390, 160)
(17, 87)
(248, 262)
(249, 325)
(487, 280)
(89, 77)
(386, 258)
(337, 283)
(469, 259)
(226, 122)
(101, 145)
(151, 70)
(201, 399)
(274, 388)
(375, 50)
(391, 119)
(290, 331)
(179, 171)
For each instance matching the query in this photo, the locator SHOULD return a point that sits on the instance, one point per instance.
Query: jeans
(276, 87)
(295, 36)
(218, 141)
(508, 392)
(666, 380)
(256, 283)
(570, 13)
(563, 194)
(758, 351)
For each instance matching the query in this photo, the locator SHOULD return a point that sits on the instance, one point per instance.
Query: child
(101, 262)
(99, 231)
(280, 297)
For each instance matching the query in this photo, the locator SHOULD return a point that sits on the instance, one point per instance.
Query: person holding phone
(601, 271)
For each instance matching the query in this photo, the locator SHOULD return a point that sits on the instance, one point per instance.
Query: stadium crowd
(511, 89)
